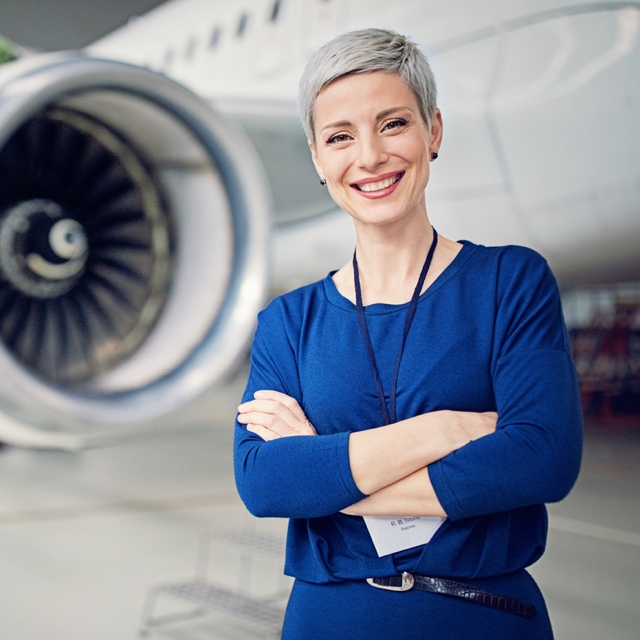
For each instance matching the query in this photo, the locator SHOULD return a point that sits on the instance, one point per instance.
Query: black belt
(408, 581)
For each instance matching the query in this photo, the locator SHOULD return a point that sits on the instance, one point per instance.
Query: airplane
(157, 186)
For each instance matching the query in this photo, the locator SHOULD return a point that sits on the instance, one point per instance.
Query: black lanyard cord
(389, 415)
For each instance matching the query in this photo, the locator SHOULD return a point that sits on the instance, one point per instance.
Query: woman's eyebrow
(380, 116)
(388, 112)
(341, 123)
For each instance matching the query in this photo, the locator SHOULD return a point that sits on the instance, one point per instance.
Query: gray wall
(50, 25)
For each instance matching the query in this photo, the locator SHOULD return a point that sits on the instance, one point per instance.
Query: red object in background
(607, 357)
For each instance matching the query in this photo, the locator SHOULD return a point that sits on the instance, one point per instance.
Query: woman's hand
(380, 457)
(273, 415)
(411, 496)
(464, 426)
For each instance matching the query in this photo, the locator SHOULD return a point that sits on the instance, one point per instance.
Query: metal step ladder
(260, 615)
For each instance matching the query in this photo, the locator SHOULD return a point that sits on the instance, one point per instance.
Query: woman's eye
(339, 137)
(395, 124)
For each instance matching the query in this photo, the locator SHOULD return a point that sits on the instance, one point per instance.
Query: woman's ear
(436, 131)
(314, 157)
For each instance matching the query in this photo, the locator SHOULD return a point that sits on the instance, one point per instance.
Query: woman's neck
(390, 259)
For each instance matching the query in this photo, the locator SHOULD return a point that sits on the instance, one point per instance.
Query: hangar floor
(83, 537)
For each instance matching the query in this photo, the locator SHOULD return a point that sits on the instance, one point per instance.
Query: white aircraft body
(150, 181)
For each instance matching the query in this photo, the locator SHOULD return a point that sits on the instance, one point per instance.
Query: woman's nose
(371, 152)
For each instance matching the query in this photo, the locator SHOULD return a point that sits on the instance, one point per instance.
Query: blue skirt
(357, 611)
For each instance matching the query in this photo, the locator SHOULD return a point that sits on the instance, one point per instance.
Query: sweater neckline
(336, 298)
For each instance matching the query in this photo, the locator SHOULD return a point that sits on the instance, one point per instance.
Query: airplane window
(242, 25)
(275, 11)
(169, 55)
(192, 45)
(216, 34)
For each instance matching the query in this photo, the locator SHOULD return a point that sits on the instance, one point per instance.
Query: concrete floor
(83, 537)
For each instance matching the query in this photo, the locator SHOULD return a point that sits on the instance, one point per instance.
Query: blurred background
(68, 24)
(101, 543)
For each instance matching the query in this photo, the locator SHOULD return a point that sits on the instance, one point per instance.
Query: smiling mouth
(369, 187)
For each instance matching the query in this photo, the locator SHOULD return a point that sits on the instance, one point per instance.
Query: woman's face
(373, 147)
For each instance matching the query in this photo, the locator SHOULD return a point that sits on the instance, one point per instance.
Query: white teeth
(378, 186)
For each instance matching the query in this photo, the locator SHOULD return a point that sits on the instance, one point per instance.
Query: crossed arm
(389, 463)
(532, 458)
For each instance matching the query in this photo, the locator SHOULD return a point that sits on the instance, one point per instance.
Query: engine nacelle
(134, 226)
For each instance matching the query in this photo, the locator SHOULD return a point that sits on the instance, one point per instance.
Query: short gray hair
(362, 52)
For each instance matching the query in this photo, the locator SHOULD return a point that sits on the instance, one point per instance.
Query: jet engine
(134, 225)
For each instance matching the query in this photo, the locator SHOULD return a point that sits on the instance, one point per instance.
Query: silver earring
(434, 156)
(323, 182)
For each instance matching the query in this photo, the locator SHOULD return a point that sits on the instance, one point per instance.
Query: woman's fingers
(267, 421)
(263, 432)
(281, 428)
(270, 407)
(272, 415)
(287, 401)
(276, 412)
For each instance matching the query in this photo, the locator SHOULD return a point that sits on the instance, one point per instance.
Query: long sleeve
(487, 335)
(534, 455)
(299, 477)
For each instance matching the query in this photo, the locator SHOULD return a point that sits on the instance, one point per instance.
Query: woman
(426, 377)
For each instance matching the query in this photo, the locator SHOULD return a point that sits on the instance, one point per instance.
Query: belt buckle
(407, 583)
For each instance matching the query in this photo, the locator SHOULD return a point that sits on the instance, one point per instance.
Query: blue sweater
(488, 335)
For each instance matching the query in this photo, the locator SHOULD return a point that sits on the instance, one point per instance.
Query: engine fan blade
(77, 241)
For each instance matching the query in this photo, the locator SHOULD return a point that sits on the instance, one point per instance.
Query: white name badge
(397, 534)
